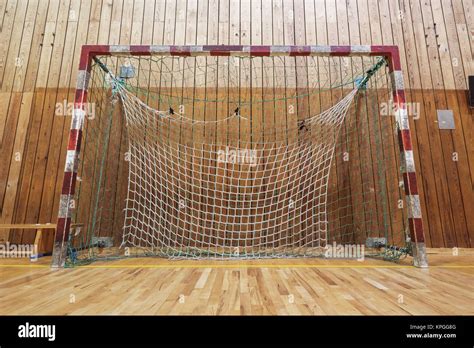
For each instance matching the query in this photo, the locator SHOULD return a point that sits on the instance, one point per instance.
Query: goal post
(239, 152)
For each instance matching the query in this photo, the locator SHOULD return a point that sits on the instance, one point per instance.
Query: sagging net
(238, 157)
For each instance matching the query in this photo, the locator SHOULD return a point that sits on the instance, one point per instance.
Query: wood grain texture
(39, 52)
(270, 287)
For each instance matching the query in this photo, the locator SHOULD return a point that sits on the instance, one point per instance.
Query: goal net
(238, 157)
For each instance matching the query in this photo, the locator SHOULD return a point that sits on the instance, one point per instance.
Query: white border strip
(82, 82)
(118, 50)
(408, 162)
(414, 206)
(64, 211)
(397, 80)
(78, 116)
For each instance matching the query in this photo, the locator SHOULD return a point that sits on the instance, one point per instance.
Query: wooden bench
(44, 239)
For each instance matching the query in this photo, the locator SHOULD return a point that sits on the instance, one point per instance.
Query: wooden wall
(40, 41)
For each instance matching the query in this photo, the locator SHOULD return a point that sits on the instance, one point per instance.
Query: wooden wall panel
(435, 37)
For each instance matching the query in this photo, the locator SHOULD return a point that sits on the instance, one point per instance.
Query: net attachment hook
(361, 81)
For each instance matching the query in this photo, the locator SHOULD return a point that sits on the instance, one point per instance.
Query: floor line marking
(237, 266)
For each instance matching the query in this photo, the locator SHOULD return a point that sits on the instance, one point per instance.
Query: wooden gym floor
(268, 287)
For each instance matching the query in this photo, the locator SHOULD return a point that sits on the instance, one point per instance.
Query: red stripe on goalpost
(79, 97)
(409, 180)
(340, 50)
(89, 51)
(216, 50)
(141, 50)
(183, 51)
(69, 182)
(75, 138)
(399, 98)
(260, 51)
(416, 230)
(62, 225)
(391, 52)
(405, 140)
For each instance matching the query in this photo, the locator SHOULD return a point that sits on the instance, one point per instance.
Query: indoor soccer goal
(239, 152)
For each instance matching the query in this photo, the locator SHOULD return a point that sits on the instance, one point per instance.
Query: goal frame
(391, 53)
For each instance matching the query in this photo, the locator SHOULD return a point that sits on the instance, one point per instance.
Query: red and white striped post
(75, 135)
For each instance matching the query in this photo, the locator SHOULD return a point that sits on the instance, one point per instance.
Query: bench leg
(44, 242)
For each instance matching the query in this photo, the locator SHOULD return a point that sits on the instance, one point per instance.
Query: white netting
(236, 157)
(247, 206)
